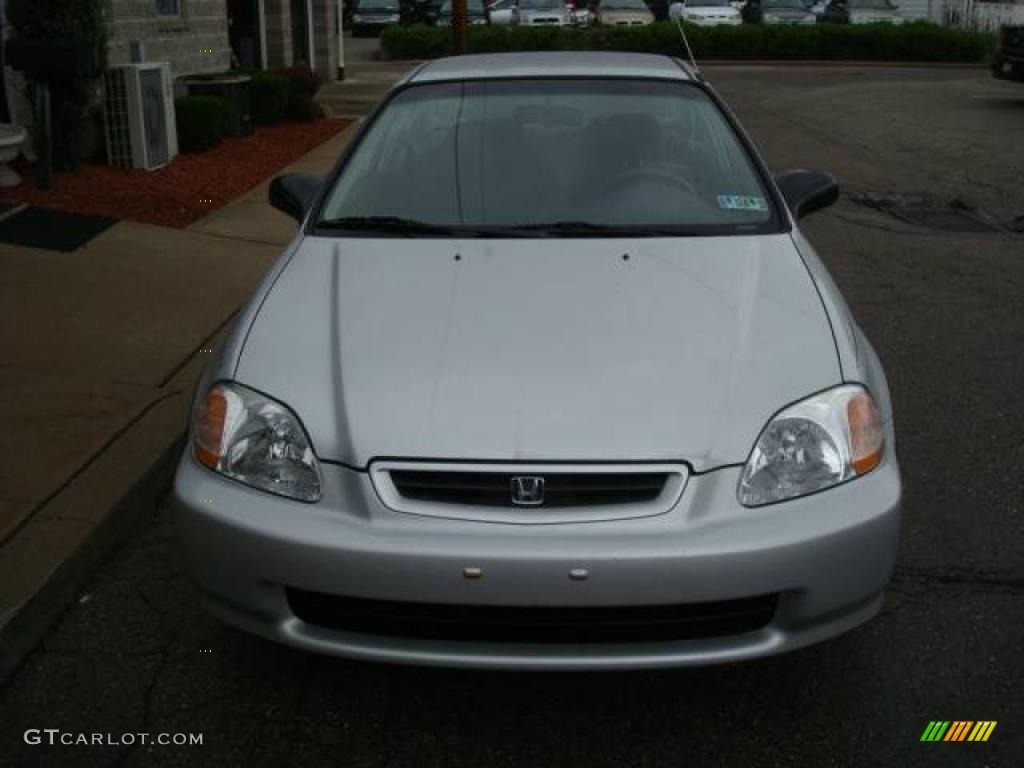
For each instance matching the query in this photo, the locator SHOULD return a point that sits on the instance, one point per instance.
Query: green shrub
(303, 85)
(917, 41)
(271, 96)
(202, 122)
(75, 100)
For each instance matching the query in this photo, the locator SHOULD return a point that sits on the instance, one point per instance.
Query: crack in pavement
(982, 581)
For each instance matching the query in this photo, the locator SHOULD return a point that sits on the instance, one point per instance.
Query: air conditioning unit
(139, 107)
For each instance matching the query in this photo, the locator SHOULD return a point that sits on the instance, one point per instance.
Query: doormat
(52, 230)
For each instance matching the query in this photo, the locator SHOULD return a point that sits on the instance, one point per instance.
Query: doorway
(245, 32)
(302, 32)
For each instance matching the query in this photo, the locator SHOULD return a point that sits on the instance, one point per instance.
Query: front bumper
(714, 22)
(826, 557)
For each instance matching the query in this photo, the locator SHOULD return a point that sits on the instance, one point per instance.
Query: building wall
(195, 41)
(278, 23)
(325, 37)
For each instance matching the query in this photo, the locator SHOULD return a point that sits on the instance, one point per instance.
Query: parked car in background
(706, 13)
(861, 12)
(659, 8)
(503, 13)
(582, 13)
(624, 13)
(476, 13)
(777, 12)
(370, 17)
(1008, 63)
(544, 13)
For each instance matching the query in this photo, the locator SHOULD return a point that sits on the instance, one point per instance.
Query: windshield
(870, 5)
(377, 5)
(789, 5)
(707, 4)
(541, 5)
(514, 154)
(624, 5)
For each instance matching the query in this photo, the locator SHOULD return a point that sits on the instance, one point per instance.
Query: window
(168, 7)
(520, 153)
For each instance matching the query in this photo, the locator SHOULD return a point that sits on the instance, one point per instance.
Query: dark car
(777, 12)
(861, 12)
(370, 17)
(476, 13)
(1008, 63)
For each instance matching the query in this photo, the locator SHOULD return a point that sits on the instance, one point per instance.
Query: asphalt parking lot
(945, 309)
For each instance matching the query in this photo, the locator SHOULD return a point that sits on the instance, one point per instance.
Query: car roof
(552, 64)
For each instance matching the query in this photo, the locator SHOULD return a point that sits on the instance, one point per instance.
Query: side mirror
(294, 193)
(807, 191)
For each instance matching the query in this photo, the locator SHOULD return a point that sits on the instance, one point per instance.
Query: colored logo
(958, 730)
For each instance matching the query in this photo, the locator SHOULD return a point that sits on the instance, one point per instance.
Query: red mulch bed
(191, 187)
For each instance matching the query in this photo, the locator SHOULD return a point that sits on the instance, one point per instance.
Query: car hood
(528, 349)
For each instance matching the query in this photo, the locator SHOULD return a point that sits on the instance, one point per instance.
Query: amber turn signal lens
(867, 440)
(208, 432)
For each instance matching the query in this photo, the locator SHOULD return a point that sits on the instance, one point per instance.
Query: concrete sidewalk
(102, 349)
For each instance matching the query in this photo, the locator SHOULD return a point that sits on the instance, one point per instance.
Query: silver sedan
(548, 378)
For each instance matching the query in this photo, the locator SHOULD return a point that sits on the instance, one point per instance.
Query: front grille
(494, 489)
(535, 624)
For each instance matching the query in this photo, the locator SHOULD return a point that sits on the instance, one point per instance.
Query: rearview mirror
(807, 191)
(294, 193)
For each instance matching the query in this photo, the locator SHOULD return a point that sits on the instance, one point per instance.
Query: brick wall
(193, 42)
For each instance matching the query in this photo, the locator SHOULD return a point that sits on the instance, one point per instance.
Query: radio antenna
(689, 51)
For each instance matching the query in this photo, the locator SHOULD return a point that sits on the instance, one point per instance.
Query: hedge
(202, 122)
(303, 83)
(917, 41)
(271, 96)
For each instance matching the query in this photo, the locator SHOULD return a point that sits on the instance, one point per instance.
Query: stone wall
(278, 20)
(325, 37)
(194, 41)
(279, 33)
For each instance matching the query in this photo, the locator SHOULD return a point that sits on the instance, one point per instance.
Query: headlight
(256, 440)
(822, 441)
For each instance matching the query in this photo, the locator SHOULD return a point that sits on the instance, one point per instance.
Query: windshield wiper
(594, 229)
(396, 225)
(392, 225)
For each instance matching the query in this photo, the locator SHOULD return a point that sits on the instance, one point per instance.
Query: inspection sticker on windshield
(742, 203)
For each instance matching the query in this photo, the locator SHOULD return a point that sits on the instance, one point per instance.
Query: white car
(503, 13)
(624, 13)
(549, 378)
(544, 13)
(706, 13)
